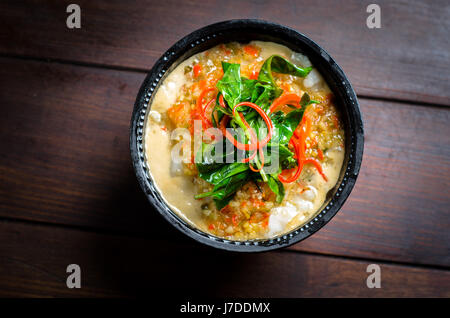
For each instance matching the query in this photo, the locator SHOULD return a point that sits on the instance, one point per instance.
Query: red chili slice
(284, 99)
(258, 144)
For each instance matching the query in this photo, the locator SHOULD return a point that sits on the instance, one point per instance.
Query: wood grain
(64, 159)
(33, 261)
(399, 208)
(406, 59)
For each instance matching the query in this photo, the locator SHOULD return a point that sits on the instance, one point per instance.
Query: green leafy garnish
(227, 178)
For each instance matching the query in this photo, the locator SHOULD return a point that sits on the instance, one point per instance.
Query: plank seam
(285, 250)
(145, 71)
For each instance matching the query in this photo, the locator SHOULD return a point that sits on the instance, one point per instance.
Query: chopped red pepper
(257, 202)
(221, 102)
(298, 142)
(258, 144)
(234, 220)
(254, 75)
(224, 48)
(318, 166)
(197, 69)
(335, 121)
(284, 99)
(251, 50)
(320, 153)
(202, 108)
(298, 153)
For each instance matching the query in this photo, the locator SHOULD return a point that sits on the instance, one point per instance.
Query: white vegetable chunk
(300, 59)
(309, 194)
(170, 88)
(155, 116)
(312, 79)
(176, 167)
(280, 217)
(302, 205)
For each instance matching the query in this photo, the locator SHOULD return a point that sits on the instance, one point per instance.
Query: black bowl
(245, 31)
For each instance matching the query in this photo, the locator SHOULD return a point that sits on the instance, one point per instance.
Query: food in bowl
(243, 141)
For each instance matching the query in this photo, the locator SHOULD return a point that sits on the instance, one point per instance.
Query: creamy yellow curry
(244, 141)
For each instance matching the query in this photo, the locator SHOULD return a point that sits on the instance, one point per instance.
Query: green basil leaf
(248, 88)
(225, 171)
(279, 64)
(277, 187)
(284, 125)
(264, 94)
(306, 100)
(224, 191)
(231, 84)
(221, 203)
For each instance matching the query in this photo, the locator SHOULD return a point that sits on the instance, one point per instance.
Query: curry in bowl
(243, 141)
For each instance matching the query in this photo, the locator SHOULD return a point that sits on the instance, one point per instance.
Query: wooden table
(68, 193)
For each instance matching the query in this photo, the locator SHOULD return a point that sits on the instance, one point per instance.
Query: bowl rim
(354, 130)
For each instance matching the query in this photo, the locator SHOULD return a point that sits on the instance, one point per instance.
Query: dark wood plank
(33, 261)
(406, 59)
(65, 160)
(399, 206)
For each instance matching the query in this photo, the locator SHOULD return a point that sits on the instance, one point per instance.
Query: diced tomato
(224, 49)
(254, 75)
(226, 209)
(256, 202)
(335, 121)
(179, 114)
(202, 84)
(211, 227)
(197, 69)
(286, 87)
(251, 50)
(234, 220)
(319, 109)
(195, 114)
(320, 153)
(266, 220)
